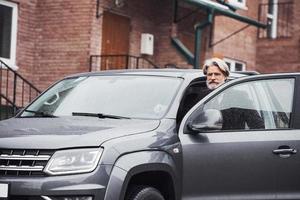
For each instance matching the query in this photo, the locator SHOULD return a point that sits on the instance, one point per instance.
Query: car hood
(66, 132)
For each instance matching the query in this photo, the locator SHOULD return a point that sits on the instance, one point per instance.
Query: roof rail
(171, 65)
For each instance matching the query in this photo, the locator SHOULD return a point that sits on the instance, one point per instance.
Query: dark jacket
(239, 119)
(239, 113)
(188, 101)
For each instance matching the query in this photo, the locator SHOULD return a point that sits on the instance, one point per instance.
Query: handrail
(98, 62)
(15, 90)
(18, 75)
(6, 99)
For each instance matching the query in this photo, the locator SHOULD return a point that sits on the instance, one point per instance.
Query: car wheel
(143, 193)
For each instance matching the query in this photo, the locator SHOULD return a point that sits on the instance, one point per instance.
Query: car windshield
(118, 97)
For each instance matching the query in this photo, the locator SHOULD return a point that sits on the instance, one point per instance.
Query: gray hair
(221, 64)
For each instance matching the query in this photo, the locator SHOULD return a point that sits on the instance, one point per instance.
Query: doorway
(115, 41)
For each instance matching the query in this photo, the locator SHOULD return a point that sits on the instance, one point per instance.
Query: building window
(278, 15)
(237, 4)
(235, 65)
(8, 32)
(242, 2)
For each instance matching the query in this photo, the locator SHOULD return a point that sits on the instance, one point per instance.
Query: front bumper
(64, 187)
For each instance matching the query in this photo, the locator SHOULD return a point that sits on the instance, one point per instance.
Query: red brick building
(53, 38)
(281, 54)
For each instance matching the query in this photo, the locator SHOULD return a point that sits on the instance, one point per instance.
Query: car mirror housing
(207, 120)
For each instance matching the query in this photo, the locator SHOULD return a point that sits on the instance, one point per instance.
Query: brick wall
(57, 37)
(54, 38)
(26, 37)
(24, 55)
(282, 54)
(147, 16)
(242, 45)
(63, 38)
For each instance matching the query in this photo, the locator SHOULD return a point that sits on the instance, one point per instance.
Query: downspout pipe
(198, 36)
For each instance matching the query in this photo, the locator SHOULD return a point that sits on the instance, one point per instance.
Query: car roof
(181, 73)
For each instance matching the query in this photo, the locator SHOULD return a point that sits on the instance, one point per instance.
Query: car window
(261, 104)
(147, 97)
(196, 91)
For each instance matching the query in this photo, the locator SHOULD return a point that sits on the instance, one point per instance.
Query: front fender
(134, 163)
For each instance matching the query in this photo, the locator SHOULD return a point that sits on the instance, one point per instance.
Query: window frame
(280, 18)
(11, 62)
(273, 18)
(294, 118)
(240, 5)
(296, 106)
(233, 63)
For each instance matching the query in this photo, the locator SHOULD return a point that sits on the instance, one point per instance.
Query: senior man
(216, 71)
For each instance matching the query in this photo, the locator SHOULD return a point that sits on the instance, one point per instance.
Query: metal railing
(15, 91)
(107, 62)
(283, 23)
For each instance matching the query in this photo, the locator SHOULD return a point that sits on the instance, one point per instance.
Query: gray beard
(213, 85)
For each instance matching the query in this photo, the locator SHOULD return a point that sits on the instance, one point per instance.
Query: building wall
(281, 54)
(242, 45)
(53, 38)
(57, 37)
(26, 37)
(184, 29)
(147, 16)
(25, 52)
(63, 38)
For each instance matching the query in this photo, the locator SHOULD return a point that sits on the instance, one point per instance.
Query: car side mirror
(208, 120)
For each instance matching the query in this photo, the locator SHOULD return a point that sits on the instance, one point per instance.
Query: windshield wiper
(39, 114)
(99, 115)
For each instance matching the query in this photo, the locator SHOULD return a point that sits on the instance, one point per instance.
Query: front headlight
(73, 161)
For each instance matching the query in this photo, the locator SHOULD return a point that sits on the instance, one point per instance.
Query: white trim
(274, 20)
(11, 62)
(232, 64)
(238, 5)
(212, 3)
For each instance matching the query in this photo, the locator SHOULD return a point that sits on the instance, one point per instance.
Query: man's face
(215, 77)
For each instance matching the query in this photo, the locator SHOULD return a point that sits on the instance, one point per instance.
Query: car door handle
(285, 151)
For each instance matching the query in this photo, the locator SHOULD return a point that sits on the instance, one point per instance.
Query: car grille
(23, 162)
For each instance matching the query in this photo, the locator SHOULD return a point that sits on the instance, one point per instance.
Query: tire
(143, 193)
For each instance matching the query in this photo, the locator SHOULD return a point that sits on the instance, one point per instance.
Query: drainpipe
(198, 35)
